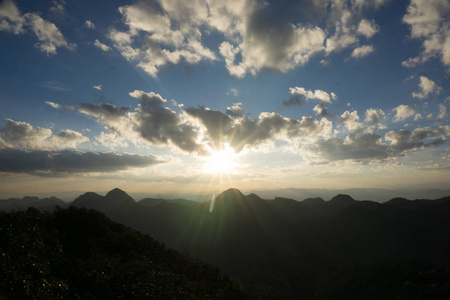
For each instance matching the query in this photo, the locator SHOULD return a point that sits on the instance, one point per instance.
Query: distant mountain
(342, 199)
(150, 202)
(372, 194)
(283, 247)
(45, 204)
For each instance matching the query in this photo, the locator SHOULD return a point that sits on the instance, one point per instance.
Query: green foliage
(81, 254)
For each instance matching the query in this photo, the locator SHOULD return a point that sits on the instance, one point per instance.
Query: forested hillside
(81, 254)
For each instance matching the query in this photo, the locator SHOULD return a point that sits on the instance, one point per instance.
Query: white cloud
(368, 28)
(11, 19)
(429, 22)
(370, 147)
(102, 46)
(404, 140)
(350, 120)
(89, 24)
(374, 116)
(52, 104)
(402, 112)
(49, 36)
(255, 35)
(145, 20)
(362, 51)
(442, 111)
(235, 111)
(111, 140)
(357, 147)
(309, 94)
(58, 9)
(427, 87)
(67, 139)
(234, 92)
(23, 135)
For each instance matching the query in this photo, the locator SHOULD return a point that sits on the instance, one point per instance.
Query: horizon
(258, 95)
(374, 195)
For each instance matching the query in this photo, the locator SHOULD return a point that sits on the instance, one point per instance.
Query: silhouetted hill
(119, 197)
(150, 202)
(342, 199)
(45, 204)
(313, 201)
(81, 254)
(283, 247)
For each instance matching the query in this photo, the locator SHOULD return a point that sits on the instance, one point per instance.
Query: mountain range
(283, 248)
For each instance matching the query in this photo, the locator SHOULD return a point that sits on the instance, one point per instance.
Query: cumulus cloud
(427, 87)
(111, 140)
(256, 34)
(299, 95)
(160, 125)
(235, 111)
(368, 147)
(23, 161)
(89, 24)
(248, 132)
(102, 46)
(23, 135)
(171, 30)
(357, 147)
(48, 35)
(374, 116)
(404, 140)
(362, 51)
(58, 9)
(402, 112)
(11, 20)
(368, 28)
(429, 23)
(418, 117)
(350, 121)
(198, 129)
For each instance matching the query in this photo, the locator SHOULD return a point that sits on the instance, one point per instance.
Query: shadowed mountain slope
(81, 254)
(283, 247)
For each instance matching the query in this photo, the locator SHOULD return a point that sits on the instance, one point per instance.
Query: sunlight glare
(222, 161)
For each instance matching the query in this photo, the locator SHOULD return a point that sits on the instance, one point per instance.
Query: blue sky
(168, 96)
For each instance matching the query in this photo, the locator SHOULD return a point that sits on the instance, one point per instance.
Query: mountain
(45, 204)
(150, 202)
(81, 254)
(283, 248)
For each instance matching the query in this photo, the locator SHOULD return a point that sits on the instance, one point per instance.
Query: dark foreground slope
(311, 249)
(284, 248)
(81, 254)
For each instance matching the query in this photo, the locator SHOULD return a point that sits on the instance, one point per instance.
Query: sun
(220, 162)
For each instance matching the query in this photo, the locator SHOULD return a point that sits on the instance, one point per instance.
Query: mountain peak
(342, 198)
(231, 193)
(312, 201)
(117, 195)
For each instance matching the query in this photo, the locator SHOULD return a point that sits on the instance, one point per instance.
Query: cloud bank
(256, 34)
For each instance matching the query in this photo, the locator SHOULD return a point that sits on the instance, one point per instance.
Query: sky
(172, 96)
